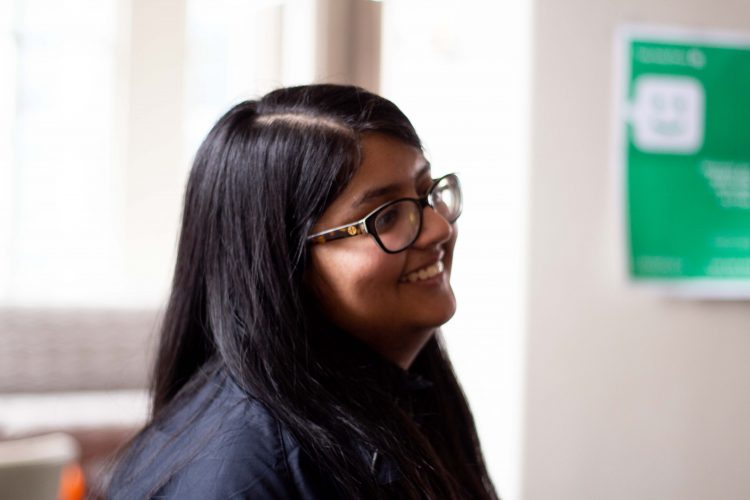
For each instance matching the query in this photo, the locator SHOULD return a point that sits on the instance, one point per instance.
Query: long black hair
(260, 180)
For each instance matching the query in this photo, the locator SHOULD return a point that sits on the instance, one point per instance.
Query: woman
(298, 355)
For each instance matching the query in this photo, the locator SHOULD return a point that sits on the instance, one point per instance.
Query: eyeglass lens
(446, 198)
(398, 225)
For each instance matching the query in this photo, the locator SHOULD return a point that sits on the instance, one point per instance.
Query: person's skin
(364, 290)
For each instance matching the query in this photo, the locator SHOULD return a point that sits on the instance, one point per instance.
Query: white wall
(628, 394)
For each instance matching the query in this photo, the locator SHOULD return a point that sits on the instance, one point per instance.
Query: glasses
(397, 224)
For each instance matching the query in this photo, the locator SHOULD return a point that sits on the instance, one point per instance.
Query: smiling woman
(391, 301)
(297, 360)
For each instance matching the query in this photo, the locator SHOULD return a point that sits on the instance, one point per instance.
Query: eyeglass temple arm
(338, 233)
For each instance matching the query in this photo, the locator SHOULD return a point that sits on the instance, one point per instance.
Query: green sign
(686, 142)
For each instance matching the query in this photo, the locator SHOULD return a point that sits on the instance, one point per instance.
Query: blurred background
(582, 385)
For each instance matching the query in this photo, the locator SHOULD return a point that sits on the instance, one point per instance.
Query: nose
(435, 229)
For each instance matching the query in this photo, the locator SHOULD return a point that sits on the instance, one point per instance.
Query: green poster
(685, 135)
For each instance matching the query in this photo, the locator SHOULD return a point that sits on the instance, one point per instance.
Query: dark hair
(263, 176)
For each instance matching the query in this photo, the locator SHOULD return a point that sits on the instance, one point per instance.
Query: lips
(424, 273)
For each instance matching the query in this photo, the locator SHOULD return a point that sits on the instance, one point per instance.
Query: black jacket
(221, 443)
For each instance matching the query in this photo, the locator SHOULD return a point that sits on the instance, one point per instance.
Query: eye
(387, 219)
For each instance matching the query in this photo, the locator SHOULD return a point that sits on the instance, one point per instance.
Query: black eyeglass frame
(366, 225)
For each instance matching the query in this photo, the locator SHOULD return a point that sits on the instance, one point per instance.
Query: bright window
(58, 234)
(242, 50)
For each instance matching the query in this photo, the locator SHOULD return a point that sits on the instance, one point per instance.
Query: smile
(425, 273)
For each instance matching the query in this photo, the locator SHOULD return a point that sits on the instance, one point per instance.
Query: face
(372, 294)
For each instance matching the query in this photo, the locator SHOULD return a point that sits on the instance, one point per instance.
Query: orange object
(72, 483)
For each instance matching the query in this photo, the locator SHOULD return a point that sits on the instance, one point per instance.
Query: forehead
(389, 169)
(385, 161)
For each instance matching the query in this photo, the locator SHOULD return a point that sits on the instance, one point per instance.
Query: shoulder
(221, 443)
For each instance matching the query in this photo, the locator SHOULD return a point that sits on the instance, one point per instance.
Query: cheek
(353, 283)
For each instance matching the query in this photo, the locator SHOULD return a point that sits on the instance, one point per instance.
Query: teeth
(425, 273)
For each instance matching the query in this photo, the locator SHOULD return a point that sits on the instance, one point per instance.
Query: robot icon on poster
(668, 114)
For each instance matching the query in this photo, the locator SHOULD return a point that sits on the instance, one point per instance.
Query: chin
(447, 317)
(440, 316)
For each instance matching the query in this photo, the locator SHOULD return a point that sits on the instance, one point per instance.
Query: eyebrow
(388, 189)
